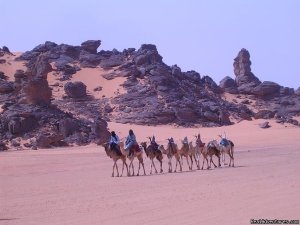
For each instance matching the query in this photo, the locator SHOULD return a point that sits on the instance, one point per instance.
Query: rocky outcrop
(147, 55)
(245, 79)
(266, 88)
(3, 146)
(112, 61)
(37, 91)
(2, 76)
(91, 46)
(6, 86)
(67, 127)
(227, 84)
(75, 89)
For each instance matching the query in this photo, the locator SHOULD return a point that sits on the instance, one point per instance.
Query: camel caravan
(192, 153)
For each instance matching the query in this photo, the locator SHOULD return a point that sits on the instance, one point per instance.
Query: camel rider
(171, 140)
(130, 140)
(185, 140)
(198, 140)
(153, 143)
(224, 142)
(114, 142)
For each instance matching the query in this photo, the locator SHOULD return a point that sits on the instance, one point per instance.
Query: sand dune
(9, 68)
(92, 78)
(74, 185)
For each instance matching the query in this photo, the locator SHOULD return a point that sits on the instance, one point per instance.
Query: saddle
(114, 147)
(154, 146)
(134, 148)
(224, 142)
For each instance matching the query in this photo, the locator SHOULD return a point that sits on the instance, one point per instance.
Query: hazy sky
(194, 34)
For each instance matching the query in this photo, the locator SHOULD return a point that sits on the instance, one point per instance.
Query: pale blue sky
(194, 34)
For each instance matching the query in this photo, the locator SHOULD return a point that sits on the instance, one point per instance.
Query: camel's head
(162, 149)
(105, 145)
(144, 145)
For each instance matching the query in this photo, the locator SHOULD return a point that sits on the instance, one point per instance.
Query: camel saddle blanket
(224, 142)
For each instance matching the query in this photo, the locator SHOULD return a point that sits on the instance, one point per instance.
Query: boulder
(91, 46)
(46, 140)
(264, 114)
(264, 125)
(37, 91)
(210, 84)
(2, 76)
(75, 89)
(3, 146)
(147, 54)
(6, 87)
(47, 46)
(6, 49)
(227, 84)
(266, 88)
(114, 60)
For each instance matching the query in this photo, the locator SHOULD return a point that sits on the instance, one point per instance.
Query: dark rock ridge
(28, 111)
(155, 94)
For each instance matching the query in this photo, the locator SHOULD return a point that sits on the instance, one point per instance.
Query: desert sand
(74, 185)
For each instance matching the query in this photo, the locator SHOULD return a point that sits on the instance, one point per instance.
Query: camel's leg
(231, 150)
(160, 161)
(231, 158)
(151, 166)
(138, 173)
(170, 165)
(113, 173)
(211, 159)
(187, 159)
(196, 161)
(208, 166)
(117, 170)
(176, 164)
(203, 162)
(191, 157)
(180, 164)
(126, 167)
(154, 166)
(144, 165)
(131, 165)
(122, 167)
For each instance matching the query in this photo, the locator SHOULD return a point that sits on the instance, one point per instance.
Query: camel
(113, 154)
(185, 152)
(226, 146)
(198, 149)
(172, 150)
(194, 153)
(153, 153)
(208, 151)
(136, 153)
